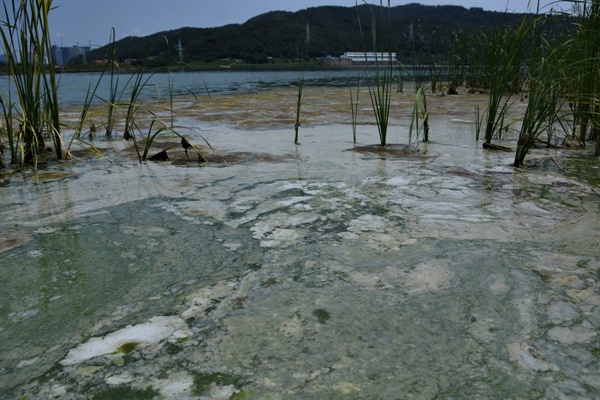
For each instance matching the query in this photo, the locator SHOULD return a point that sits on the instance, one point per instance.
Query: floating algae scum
(303, 271)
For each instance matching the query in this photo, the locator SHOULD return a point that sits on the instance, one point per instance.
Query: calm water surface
(73, 87)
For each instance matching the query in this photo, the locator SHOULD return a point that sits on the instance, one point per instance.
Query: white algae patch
(576, 334)
(153, 331)
(429, 276)
(175, 386)
(520, 353)
(561, 312)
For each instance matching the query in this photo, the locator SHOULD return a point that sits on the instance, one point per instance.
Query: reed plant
(159, 125)
(299, 99)
(114, 94)
(381, 75)
(419, 111)
(478, 121)
(138, 82)
(547, 93)
(434, 75)
(456, 68)
(32, 114)
(585, 69)
(502, 74)
(561, 69)
(300, 96)
(8, 129)
(354, 107)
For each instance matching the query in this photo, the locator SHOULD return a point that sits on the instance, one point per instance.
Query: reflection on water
(307, 271)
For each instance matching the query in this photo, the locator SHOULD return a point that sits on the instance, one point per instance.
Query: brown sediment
(392, 150)
(10, 240)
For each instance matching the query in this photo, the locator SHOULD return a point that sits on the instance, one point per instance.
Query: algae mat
(330, 274)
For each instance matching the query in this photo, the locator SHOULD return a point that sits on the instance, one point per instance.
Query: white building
(361, 57)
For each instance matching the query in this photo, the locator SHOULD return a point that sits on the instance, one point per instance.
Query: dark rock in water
(160, 156)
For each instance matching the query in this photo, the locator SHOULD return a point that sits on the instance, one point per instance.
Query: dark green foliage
(322, 315)
(334, 30)
(128, 347)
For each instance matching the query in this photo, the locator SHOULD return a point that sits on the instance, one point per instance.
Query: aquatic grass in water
(169, 126)
(419, 110)
(380, 77)
(546, 90)
(299, 106)
(546, 96)
(27, 44)
(505, 51)
(301, 83)
(456, 61)
(478, 122)
(584, 55)
(354, 107)
(114, 96)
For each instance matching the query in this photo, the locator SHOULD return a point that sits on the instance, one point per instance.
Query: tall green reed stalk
(114, 95)
(434, 73)
(300, 97)
(419, 111)
(136, 84)
(380, 77)
(478, 122)
(503, 64)
(546, 96)
(456, 61)
(7, 113)
(84, 117)
(27, 44)
(354, 107)
(585, 67)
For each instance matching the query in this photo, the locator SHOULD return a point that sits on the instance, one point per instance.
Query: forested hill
(333, 31)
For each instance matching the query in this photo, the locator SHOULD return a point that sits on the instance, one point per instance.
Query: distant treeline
(416, 31)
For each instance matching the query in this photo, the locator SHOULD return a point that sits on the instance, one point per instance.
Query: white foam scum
(155, 330)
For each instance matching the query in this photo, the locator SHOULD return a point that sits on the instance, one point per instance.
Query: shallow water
(303, 271)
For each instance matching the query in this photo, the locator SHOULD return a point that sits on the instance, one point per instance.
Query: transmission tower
(180, 51)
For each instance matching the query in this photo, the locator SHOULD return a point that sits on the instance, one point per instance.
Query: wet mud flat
(303, 272)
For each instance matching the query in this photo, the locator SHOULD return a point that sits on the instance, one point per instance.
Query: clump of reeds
(546, 95)
(380, 76)
(584, 70)
(456, 62)
(502, 75)
(32, 114)
(419, 111)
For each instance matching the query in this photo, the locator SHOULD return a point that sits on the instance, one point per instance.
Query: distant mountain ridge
(333, 31)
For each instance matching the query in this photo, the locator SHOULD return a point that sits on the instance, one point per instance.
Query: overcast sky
(86, 22)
